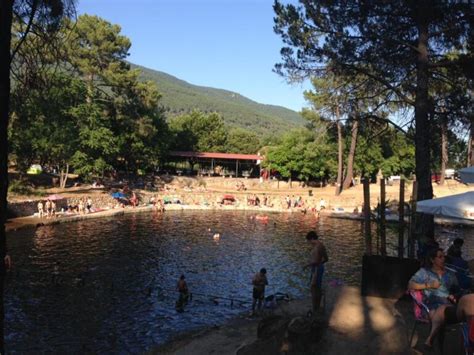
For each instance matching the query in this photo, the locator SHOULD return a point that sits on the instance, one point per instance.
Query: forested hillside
(181, 97)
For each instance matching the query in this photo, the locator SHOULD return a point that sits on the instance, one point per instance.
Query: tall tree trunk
(424, 222)
(340, 152)
(470, 147)
(6, 14)
(63, 177)
(350, 159)
(444, 148)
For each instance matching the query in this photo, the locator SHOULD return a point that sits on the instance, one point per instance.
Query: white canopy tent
(455, 206)
(467, 175)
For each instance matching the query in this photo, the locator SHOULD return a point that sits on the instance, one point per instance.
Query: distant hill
(238, 111)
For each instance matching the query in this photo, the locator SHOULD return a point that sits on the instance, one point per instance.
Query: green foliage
(368, 158)
(299, 155)
(19, 187)
(199, 132)
(242, 141)
(399, 154)
(93, 113)
(396, 51)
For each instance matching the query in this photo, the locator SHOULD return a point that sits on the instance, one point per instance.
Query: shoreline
(33, 221)
(194, 197)
(366, 325)
(246, 327)
(14, 224)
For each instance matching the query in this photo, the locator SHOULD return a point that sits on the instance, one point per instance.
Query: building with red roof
(210, 163)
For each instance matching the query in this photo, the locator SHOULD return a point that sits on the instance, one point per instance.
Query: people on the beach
(322, 204)
(259, 282)
(53, 209)
(40, 209)
(318, 258)
(134, 200)
(182, 288)
(47, 206)
(81, 207)
(439, 287)
(89, 205)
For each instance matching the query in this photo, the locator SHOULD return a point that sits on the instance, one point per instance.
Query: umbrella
(54, 197)
(456, 206)
(117, 195)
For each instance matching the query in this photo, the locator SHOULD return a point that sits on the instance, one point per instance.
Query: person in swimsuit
(40, 210)
(318, 258)
(259, 282)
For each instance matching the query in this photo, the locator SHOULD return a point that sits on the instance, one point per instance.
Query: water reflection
(116, 290)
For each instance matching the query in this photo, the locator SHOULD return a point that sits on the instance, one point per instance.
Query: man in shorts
(259, 282)
(318, 258)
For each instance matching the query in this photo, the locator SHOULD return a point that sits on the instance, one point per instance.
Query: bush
(19, 187)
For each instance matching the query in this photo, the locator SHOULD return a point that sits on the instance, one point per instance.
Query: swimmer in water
(55, 277)
(216, 236)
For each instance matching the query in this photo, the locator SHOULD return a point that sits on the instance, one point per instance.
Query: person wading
(318, 258)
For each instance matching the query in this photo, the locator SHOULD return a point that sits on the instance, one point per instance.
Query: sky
(224, 44)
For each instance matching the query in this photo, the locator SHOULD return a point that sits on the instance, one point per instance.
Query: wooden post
(411, 239)
(383, 239)
(367, 231)
(401, 218)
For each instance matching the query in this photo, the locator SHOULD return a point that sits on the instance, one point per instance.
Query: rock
(304, 334)
(299, 325)
(271, 326)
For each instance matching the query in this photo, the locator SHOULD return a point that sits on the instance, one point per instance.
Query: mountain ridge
(180, 97)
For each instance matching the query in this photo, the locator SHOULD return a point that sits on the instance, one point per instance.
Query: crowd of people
(46, 210)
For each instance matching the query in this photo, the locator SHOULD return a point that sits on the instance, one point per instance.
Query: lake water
(117, 276)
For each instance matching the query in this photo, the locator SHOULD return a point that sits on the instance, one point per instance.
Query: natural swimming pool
(118, 275)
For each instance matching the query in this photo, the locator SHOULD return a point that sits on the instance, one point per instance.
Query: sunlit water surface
(118, 275)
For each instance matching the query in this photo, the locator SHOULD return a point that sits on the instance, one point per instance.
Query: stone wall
(29, 208)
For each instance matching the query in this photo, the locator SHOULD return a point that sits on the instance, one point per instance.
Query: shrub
(19, 187)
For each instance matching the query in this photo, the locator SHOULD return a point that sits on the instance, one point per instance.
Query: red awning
(229, 156)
